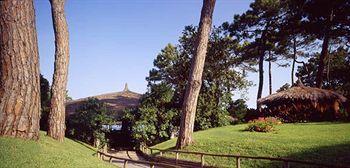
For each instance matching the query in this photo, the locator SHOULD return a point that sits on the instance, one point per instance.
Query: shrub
(263, 124)
(238, 110)
(253, 114)
(86, 124)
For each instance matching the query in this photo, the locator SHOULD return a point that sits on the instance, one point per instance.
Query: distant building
(116, 102)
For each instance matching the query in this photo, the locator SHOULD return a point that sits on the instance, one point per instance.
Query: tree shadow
(85, 145)
(326, 123)
(337, 155)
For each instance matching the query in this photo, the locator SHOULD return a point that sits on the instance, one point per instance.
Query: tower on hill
(126, 87)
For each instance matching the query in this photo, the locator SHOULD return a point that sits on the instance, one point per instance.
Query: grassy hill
(320, 142)
(47, 153)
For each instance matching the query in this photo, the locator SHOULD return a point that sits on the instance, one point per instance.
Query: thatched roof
(116, 102)
(302, 93)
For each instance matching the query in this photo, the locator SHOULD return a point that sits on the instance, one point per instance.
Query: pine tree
(19, 70)
(195, 79)
(59, 85)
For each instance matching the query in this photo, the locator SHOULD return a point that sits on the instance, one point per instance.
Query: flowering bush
(263, 124)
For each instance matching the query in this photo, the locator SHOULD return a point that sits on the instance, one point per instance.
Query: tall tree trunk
(58, 91)
(262, 50)
(328, 67)
(323, 56)
(261, 77)
(294, 59)
(270, 75)
(19, 70)
(324, 53)
(195, 76)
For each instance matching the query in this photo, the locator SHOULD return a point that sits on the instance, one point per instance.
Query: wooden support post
(105, 150)
(160, 153)
(151, 151)
(238, 162)
(202, 160)
(125, 164)
(177, 157)
(285, 164)
(110, 159)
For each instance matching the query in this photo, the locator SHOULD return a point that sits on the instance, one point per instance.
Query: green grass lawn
(319, 142)
(47, 153)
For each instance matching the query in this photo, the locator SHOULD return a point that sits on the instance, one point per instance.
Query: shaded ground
(338, 154)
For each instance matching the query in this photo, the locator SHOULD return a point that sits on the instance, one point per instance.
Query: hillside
(47, 153)
(115, 102)
(327, 143)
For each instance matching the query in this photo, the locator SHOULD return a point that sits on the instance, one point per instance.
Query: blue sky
(115, 41)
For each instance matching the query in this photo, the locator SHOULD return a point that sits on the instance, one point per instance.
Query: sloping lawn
(47, 153)
(324, 142)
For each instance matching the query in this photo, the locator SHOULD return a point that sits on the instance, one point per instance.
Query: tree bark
(323, 56)
(270, 75)
(58, 91)
(261, 76)
(19, 70)
(261, 64)
(294, 59)
(195, 77)
(324, 53)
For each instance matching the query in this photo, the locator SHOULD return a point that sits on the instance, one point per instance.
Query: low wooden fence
(100, 155)
(286, 162)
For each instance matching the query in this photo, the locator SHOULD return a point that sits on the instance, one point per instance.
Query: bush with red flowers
(263, 124)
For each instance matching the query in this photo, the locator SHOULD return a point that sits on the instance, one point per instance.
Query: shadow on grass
(338, 155)
(87, 146)
(320, 123)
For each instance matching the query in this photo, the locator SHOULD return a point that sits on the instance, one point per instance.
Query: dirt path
(134, 156)
(128, 155)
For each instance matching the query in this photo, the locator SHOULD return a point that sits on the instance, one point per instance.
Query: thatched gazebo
(300, 103)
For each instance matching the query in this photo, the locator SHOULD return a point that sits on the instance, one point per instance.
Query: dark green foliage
(336, 72)
(326, 20)
(45, 102)
(324, 17)
(160, 107)
(153, 121)
(257, 30)
(274, 30)
(44, 91)
(86, 123)
(238, 110)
